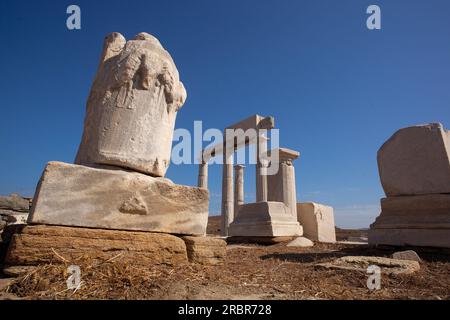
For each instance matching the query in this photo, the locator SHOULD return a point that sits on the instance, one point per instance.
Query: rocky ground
(250, 272)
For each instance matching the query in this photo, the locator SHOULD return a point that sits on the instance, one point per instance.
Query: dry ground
(250, 272)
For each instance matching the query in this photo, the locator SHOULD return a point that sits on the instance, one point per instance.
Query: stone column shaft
(227, 190)
(203, 175)
(238, 188)
(261, 177)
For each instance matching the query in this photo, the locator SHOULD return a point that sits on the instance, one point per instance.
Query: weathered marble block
(74, 195)
(416, 160)
(422, 220)
(132, 106)
(265, 219)
(317, 221)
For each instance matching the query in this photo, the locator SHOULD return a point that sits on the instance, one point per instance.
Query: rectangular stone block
(206, 250)
(421, 220)
(74, 195)
(36, 245)
(265, 219)
(317, 221)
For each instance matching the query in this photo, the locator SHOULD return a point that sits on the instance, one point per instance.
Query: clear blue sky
(336, 89)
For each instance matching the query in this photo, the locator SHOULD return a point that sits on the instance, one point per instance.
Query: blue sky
(336, 89)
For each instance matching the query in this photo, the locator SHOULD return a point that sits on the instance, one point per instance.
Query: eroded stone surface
(73, 195)
(300, 242)
(265, 219)
(360, 263)
(205, 250)
(14, 202)
(317, 221)
(132, 106)
(416, 160)
(53, 244)
(421, 220)
(406, 255)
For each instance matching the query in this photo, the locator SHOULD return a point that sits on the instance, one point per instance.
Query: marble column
(238, 187)
(261, 176)
(227, 189)
(282, 186)
(203, 175)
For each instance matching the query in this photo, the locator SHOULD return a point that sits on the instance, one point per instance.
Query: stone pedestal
(421, 220)
(73, 195)
(265, 219)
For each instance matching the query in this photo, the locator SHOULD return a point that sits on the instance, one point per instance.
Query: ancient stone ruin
(414, 167)
(275, 213)
(117, 186)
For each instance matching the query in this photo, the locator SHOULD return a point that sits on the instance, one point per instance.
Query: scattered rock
(14, 202)
(13, 211)
(9, 296)
(5, 283)
(54, 244)
(300, 242)
(205, 250)
(360, 263)
(406, 255)
(17, 271)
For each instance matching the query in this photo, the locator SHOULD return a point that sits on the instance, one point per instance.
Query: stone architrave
(317, 221)
(416, 160)
(74, 195)
(132, 106)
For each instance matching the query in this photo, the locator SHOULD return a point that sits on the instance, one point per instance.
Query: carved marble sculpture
(132, 106)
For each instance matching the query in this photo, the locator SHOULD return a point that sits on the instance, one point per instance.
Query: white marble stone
(317, 221)
(74, 195)
(132, 106)
(416, 160)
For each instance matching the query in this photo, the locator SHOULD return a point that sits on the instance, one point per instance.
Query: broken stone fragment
(406, 255)
(132, 106)
(415, 161)
(300, 242)
(205, 250)
(361, 263)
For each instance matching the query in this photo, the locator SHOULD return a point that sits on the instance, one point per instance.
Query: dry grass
(251, 272)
